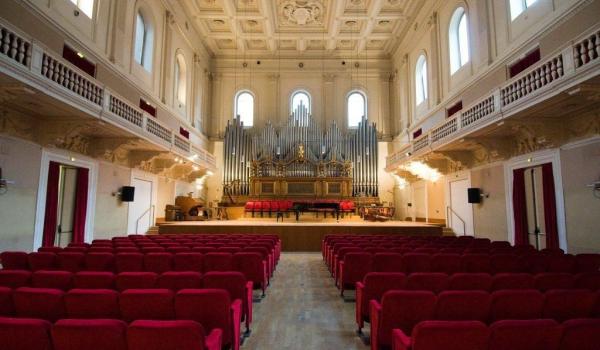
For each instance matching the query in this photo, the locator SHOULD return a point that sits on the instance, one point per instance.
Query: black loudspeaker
(474, 195)
(127, 193)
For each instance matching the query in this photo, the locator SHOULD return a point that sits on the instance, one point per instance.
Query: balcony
(27, 62)
(576, 63)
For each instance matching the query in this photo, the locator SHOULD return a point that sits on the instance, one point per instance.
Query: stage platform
(304, 235)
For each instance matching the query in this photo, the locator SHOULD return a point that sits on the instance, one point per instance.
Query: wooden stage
(305, 235)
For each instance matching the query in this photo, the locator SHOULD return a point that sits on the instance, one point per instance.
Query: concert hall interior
(299, 174)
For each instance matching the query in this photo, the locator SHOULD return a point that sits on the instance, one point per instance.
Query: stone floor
(303, 309)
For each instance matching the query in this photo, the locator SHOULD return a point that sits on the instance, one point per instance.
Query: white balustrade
(14, 46)
(126, 111)
(587, 50)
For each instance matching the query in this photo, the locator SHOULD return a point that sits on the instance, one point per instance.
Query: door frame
(67, 158)
(413, 201)
(142, 175)
(527, 161)
(459, 176)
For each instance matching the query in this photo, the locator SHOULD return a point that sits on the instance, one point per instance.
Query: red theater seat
(525, 335)
(14, 278)
(92, 303)
(470, 281)
(476, 263)
(94, 280)
(505, 263)
(188, 262)
(158, 262)
(218, 262)
(566, 304)
(372, 287)
(446, 263)
(430, 281)
(473, 305)
(561, 263)
(44, 303)
(253, 267)
(129, 262)
(52, 279)
(588, 280)
(24, 334)
(416, 262)
(89, 334)
(6, 302)
(436, 335)
(135, 280)
(42, 261)
(588, 262)
(147, 304)
(176, 280)
(99, 261)
(516, 305)
(580, 334)
(512, 281)
(70, 261)
(54, 250)
(354, 268)
(236, 285)
(171, 335)
(213, 309)
(553, 280)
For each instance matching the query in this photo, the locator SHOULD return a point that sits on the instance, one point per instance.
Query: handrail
(451, 211)
(137, 222)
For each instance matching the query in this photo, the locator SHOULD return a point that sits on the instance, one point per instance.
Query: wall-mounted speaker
(127, 193)
(474, 195)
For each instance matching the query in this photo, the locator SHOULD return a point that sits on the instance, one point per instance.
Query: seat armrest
(375, 316)
(360, 287)
(236, 318)
(214, 340)
(249, 289)
(400, 341)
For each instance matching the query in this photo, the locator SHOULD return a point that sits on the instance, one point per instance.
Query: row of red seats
(353, 265)
(543, 334)
(286, 205)
(106, 334)
(403, 310)
(375, 284)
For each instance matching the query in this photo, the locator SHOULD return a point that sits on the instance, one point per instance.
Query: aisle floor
(303, 309)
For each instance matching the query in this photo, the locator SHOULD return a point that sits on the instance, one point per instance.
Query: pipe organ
(299, 159)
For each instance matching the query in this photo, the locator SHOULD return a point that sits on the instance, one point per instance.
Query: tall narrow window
(421, 80)
(458, 35)
(357, 108)
(144, 41)
(86, 6)
(180, 81)
(300, 97)
(244, 107)
(519, 6)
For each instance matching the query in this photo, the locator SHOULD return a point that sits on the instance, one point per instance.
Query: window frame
(420, 65)
(524, 5)
(235, 106)
(144, 47)
(78, 3)
(455, 44)
(300, 92)
(363, 94)
(180, 81)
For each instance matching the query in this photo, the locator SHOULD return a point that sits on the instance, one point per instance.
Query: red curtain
(519, 207)
(81, 199)
(51, 212)
(549, 206)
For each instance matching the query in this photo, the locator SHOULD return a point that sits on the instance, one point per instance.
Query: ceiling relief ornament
(302, 12)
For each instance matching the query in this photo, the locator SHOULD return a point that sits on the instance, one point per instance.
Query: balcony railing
(19, 51)
(541, 77)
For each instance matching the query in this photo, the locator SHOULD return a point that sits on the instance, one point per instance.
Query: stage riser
(302, 238)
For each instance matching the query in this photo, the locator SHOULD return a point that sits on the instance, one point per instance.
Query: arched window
(357, 108)
(180, 81)
(300, 97)
(85, 6)
(519, 6)
(421, 79)
(144, 41)
(244, 107)
(458, 35)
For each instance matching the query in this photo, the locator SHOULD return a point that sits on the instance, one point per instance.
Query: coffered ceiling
(292, 28)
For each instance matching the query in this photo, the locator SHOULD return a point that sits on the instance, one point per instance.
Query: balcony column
(384, 105)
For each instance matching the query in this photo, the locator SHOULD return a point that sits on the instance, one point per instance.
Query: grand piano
(317, 207)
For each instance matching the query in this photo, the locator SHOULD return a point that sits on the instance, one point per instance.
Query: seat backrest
(176, 280)
(147, 304)
(218, 262)
(52, 279)
(165, 335)
(446, 262)
(525, 335)
(512, 281)
(457, 335)
(42, 261)
(250, 264)
(6, 302)
(70, 261)
(94, 280)
(158, 262)
(209, 307)
(505, 263)
(566, 304)
(580, 334)
(356, 266)
(135, 280)
(430, 281)
(98, 334)
(471, 305)
(404, 309)
(588, 280)
(472, 262)
(44, 303)
(233, 282)
(15, 278)
(99, 262)
(516, 305)
(129, 262)
(553, 280)
(25, 334)
(561, 263)
(470, 281)
(387, 262)
(92, 303)
(588, 262)
(416, 262)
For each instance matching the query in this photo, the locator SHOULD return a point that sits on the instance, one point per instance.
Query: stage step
(152, 230)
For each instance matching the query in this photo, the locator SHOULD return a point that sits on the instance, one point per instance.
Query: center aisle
(303, 310)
